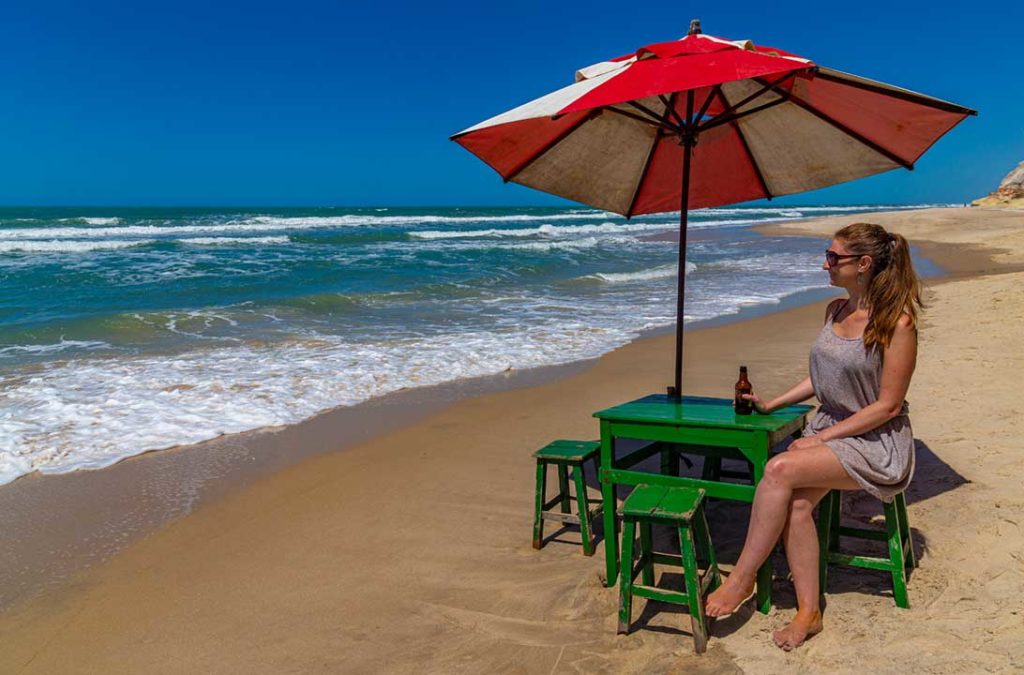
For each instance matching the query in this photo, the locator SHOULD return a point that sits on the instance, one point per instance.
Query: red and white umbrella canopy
(763, 123)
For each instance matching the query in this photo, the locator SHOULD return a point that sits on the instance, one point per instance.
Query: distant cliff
(1009, 193)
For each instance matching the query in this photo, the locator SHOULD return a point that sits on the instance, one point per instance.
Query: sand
(410, 551)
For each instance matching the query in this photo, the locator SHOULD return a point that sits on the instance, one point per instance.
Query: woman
(860, 438)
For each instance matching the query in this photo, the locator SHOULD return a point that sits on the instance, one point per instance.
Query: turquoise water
(127, 329)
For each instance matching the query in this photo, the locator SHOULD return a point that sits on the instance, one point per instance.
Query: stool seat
(674, 504)
(568, 451)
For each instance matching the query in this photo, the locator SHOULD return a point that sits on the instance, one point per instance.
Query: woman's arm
(798, 394)
(897, 366)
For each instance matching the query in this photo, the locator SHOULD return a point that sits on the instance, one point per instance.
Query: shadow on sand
(728, 522)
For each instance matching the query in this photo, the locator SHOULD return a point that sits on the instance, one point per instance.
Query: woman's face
(843, 272)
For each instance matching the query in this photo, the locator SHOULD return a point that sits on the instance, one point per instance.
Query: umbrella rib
(658, 135)
(746, 147)
(863, 140)
(903, 95)
(641, 118)
(704, 108)
(551, 144)
(766, 86)
(718, 120)
(660, 120)
(669, 103)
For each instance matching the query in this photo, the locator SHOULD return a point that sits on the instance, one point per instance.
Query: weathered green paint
(647, 554)
(682, 508)
(584, 510)
(739, 493)
(896, 536)
(564, 450)
(563, 487)
(626, 584)
(566, 455)
(710, 560)
(899, 565)
(538, 504)
(699, 411)
(661, 594)
(698, 622)
(696, 425)
(901, 509)
(611, 535)
(658, 502)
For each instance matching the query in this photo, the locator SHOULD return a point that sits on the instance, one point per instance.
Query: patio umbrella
(701, 122)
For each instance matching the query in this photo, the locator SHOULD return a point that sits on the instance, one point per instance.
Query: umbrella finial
(694, 27)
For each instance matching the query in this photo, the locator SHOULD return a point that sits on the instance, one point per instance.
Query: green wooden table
(704, 426)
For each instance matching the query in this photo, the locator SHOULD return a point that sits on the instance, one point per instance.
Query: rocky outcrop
(1009, 193)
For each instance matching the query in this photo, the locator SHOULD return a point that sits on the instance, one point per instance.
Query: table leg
(764, 573)
(611, 539)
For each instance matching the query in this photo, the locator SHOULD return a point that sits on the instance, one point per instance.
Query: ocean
(124, 330)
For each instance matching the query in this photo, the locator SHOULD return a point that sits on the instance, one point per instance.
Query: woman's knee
(779, 469)
(801, 509)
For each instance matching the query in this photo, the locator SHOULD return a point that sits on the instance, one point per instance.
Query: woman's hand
(804, 442)
(759, 405)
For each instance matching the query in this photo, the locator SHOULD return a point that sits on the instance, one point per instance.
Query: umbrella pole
(688, 142)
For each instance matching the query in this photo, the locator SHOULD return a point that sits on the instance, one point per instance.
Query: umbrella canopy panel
(702, 122)
(766, 123)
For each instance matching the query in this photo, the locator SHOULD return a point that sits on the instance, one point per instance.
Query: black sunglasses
(833, 258)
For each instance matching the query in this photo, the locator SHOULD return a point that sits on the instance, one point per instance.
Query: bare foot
(724, 600)
(803, 626)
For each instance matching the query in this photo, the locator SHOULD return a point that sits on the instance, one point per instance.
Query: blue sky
(317, 103)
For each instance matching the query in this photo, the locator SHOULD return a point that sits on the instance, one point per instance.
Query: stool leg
(538, 508)
(698, 621)
(901, 509)
(704, 540)
(646, 553)
(563, 487)
(584, 507)
(899, 572)
(824, 539)
(626, 575)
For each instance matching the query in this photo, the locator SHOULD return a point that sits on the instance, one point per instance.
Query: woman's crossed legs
(793, 483)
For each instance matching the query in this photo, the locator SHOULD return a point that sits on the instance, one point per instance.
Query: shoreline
(139, 494)
(299, 494)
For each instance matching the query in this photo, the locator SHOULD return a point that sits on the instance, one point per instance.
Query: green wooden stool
(896, 535)
(682, 508)
(565, 455)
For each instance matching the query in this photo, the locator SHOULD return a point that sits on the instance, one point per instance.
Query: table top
(699, 411)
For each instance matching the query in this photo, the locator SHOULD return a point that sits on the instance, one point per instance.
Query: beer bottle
(742, 405)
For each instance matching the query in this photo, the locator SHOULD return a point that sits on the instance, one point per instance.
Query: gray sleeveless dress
(846, 378)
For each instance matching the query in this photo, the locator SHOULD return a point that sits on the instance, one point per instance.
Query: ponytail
(893, 287)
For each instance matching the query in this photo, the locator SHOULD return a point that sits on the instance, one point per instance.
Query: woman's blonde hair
(893, 287)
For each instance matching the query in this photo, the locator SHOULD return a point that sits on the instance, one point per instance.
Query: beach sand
(410, 551)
